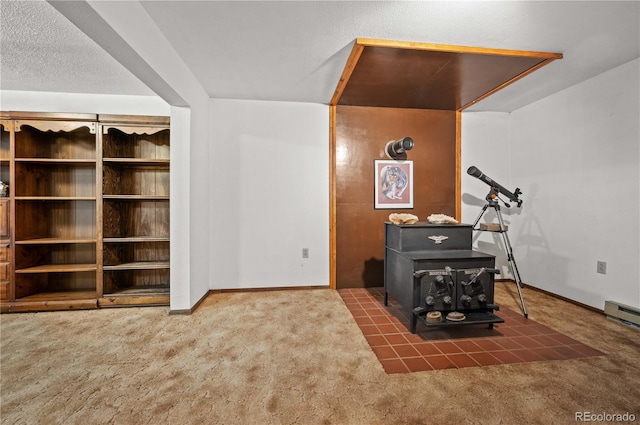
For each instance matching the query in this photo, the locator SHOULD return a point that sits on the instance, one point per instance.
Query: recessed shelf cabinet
(86, 220)
(6, 286)
(54, 194)
(5, 150)
(135, 209)
(5, 251)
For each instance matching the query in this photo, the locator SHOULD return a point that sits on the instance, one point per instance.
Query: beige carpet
(291, 357)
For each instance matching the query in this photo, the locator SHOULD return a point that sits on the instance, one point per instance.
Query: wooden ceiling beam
(356, 51)
(413, 45)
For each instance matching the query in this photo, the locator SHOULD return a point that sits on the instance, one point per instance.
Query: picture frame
(393, 183)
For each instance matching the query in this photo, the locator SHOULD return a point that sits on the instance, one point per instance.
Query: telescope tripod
(493, 203)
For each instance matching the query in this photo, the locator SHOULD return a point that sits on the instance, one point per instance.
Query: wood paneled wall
(361, 136)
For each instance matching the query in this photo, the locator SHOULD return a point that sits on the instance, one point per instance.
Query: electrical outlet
(602, 267)
(305, 252)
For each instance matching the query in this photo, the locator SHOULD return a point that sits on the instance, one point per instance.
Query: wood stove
(432, 271)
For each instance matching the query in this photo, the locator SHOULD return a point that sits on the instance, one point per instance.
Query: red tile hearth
(517, 340)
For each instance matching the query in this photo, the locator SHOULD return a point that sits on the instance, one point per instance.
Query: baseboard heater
(624, 313)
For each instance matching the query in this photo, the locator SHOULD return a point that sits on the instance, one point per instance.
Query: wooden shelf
(138, 197)
(63, 295)
(138, 265)
(142, 290)
(67, 161)
(137, 161)
(55, 198)
(59, 268)
(54, 301)
(136, 239)
(136, 296)
(51, 241)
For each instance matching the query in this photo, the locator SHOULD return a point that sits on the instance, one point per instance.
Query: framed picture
(393, 184)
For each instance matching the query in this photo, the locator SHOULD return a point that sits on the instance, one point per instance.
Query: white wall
(269, 194)
(179, 211)
(577, 154)
(576, 157)
(486, 144)
(30, 101)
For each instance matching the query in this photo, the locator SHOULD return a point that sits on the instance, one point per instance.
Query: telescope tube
(475, 172)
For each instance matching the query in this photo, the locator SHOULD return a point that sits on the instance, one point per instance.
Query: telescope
(495, 187)
(397, 149)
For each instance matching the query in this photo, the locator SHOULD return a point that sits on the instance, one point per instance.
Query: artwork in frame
(393, 184)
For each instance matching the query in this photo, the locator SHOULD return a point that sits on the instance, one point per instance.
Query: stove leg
(386, 298)
(414, 323)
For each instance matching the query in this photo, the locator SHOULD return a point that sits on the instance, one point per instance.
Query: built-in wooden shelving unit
(135, 209)
(88, 211)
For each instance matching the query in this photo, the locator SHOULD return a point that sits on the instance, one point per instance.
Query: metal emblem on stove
(438, 239)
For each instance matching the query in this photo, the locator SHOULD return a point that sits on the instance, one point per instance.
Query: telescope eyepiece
(397, 149)
(405, 144)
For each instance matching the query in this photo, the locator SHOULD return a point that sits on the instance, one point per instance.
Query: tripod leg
(475, 223)
(512, 261)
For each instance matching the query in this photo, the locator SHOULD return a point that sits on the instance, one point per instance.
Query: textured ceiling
(296, 50)
(41, 50)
